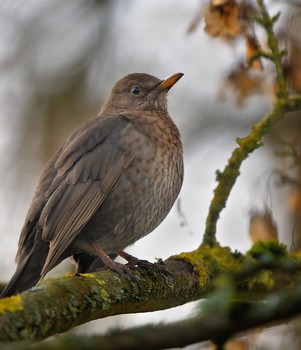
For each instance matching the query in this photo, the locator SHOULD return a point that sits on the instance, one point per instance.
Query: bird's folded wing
(90, 164)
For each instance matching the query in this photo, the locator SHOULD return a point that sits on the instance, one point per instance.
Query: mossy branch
(276, 54)
(246, 145)
(219, 328)
(59, 304)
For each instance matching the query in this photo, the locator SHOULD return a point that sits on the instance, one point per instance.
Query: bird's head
(139, 91)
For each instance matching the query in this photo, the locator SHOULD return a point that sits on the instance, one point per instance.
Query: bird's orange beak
(170, 81)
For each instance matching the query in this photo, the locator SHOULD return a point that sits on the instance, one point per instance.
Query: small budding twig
(246, 145)
(276, 55)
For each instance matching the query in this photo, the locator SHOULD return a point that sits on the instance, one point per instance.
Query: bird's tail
(28, 271)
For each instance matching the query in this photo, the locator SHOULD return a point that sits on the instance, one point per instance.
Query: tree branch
(246, 146)
(60, 304)
(222, 316)
(276, 55)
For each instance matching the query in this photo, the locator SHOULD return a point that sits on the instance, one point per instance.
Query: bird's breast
(145, 193)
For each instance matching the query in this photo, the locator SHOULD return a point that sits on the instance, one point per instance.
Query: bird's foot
(121, 270)
(133, 261)
(114, 265)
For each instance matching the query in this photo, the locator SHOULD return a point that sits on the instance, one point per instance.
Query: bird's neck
(158, 126)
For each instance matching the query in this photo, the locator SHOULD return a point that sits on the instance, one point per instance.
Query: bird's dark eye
(136, 90)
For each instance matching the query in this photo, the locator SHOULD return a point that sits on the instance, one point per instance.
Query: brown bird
(111, 183)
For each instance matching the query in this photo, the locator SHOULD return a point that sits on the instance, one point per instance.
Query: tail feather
(29, 268)
(28, 271)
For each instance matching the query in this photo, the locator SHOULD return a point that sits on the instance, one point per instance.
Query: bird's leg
(133, 261)
(111, 264)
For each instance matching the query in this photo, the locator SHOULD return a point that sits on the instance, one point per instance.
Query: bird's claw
(133, 261)
(124, 270)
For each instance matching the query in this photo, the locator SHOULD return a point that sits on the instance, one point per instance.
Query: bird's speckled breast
(146, 191)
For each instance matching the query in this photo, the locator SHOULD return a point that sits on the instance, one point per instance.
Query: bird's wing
(88, 167)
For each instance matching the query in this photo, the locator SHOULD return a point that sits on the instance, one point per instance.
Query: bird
(111, 183)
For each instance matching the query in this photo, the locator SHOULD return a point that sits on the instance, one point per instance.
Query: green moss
(296, 254)
(104, 294)
(270, 253)
(208, 260)
(268, 249)
(11, 304)
(99, 281)
(263, 278)
(87, 275)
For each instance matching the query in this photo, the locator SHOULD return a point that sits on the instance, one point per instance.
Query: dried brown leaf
(244, 83)
(220, 2)
(223, 20)
(252, 47)
(262, 226)
(294, 201)
(293, 69)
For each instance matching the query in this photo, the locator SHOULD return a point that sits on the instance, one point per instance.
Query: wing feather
(74, 184)
(74, 210)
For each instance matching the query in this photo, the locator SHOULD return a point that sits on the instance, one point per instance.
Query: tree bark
(57, 305)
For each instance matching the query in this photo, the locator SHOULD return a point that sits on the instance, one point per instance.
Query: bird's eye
(136, 90)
